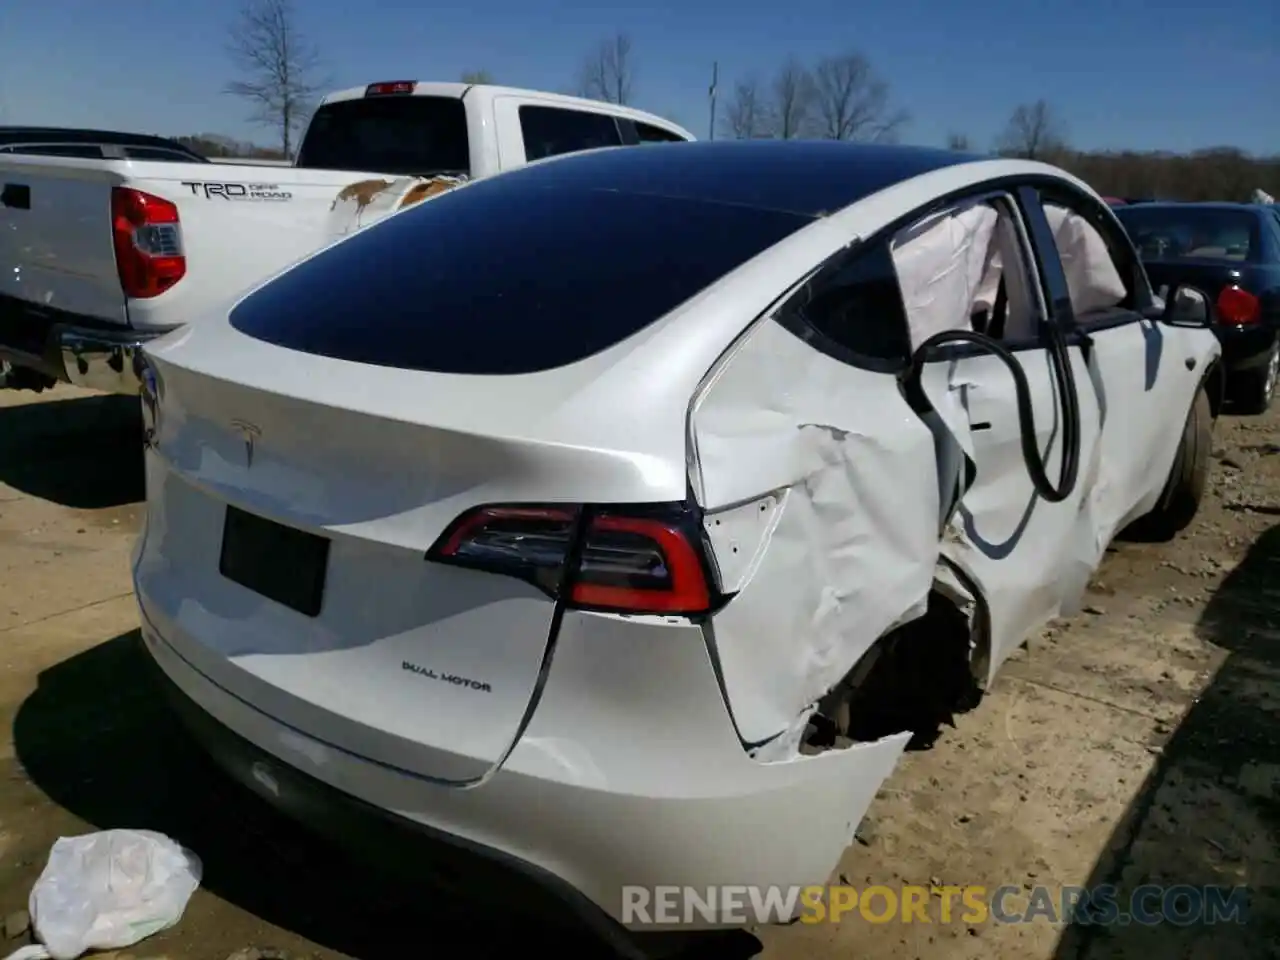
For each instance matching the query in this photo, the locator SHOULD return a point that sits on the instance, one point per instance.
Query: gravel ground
(1137, 743)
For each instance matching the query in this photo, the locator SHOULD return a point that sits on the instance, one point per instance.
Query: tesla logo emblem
(250, 433)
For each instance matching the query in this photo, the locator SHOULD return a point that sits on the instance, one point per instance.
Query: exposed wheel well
(917, 677)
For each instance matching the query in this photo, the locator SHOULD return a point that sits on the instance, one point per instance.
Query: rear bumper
(629, 775)
(1245, 348)
(72, 349)
(412, 851)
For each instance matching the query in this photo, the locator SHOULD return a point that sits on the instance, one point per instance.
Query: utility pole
(715, 76)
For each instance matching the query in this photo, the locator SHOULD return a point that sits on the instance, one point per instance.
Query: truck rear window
(503, 278)
(1187, 232)
(406, 135)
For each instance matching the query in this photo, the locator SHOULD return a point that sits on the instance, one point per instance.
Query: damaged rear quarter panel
(847, 475)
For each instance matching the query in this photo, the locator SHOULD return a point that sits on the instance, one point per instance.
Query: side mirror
(1187, 306)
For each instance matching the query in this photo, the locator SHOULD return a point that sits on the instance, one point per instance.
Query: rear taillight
(148, 241)
(389, 87)
(1238, 306)
(633, 560)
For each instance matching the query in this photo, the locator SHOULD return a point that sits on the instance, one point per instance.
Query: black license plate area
(280, 563)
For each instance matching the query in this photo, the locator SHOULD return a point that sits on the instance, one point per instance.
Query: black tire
(1255, 389)
(1180, 500)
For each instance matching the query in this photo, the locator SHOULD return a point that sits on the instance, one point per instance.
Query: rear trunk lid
(334, 622)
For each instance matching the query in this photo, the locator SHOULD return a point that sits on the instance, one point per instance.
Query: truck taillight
(148, 242)
(1238, 306)
(645, 560)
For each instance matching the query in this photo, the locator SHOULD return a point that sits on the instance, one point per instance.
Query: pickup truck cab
(98, 256)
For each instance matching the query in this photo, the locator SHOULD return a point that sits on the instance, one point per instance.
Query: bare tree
(279, 67)
(1033, 132)
(851, 102)
(477, 76)
(747, 115)
(959, 142)
(793, 96)
(608, 73)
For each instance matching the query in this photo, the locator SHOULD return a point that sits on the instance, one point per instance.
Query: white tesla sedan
(620, 520)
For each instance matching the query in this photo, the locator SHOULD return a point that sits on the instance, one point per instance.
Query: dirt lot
(1138, 743)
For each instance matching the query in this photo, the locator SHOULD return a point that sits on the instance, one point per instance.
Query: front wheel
(1180, 500)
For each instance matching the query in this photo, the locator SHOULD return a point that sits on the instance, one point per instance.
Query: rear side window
(1187, 232)
(551, 131)
(501, 277)
(856, 305)
(405, 135)
(651, 134)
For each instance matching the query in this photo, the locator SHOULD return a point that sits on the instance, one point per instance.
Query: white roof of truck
(430, 88)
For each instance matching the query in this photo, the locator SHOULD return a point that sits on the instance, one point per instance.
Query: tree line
(839, 97)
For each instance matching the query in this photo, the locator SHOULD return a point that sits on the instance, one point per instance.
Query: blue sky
(1121, 73)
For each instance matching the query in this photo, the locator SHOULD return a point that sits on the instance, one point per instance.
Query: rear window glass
(406, 135)
(1190, 233)
(503, 278)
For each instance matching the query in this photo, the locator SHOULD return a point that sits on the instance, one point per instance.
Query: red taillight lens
(632, 562)
(389, 87)
(148, 242)
(1238, 306)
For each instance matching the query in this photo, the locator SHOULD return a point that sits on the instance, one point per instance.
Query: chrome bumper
(111, 363)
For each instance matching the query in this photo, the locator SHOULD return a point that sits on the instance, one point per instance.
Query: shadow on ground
(1209, 814)
(96, 738)
(81, 452)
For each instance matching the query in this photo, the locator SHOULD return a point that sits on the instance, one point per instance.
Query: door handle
(16, 196)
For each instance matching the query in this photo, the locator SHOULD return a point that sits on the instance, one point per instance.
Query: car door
(1020, 549)
(1144, 372)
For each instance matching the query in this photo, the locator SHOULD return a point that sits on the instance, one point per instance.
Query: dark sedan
(1232, 252)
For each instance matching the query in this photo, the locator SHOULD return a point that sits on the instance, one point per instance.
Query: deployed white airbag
(941, 264)
(1092, 279)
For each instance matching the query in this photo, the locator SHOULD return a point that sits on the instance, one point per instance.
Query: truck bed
(240, 223)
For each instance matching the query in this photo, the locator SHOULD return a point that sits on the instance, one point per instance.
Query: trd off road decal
(215, 190)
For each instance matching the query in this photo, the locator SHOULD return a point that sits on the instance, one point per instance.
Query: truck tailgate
(55, 236)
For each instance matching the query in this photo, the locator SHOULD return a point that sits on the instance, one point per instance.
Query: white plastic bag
(104, 891)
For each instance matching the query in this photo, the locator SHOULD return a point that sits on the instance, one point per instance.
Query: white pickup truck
(98, 256)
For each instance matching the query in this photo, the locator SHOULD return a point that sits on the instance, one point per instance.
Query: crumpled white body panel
(843, 473)
(830, 503)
